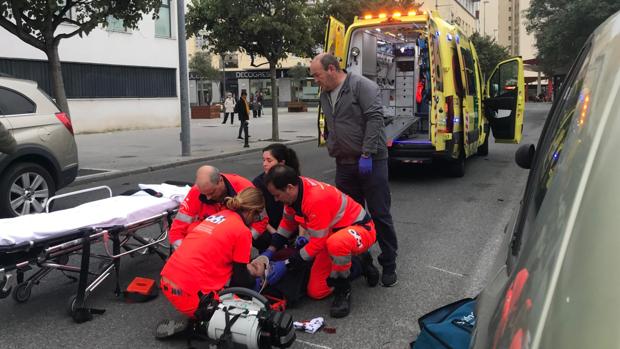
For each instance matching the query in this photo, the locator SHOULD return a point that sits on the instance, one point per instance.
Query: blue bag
(448, 327)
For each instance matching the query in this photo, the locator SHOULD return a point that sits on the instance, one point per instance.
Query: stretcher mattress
(113, 211)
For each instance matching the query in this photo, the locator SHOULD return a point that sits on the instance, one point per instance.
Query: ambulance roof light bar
(396, 14)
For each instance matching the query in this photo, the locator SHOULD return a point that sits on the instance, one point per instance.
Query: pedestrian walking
(258, 103)
(229, 108)
(354, 117)
(243, 110)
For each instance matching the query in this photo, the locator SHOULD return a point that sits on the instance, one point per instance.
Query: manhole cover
(126, 156)
(210, 126)
(288, 131)
(89, 171)
(305, 136)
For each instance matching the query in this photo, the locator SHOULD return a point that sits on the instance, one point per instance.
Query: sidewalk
(113, 154)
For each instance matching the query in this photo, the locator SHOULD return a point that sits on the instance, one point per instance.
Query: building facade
(460, 12)
(509, 25)
(115, 78)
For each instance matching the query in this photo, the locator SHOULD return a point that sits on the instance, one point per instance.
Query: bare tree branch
(17, 31)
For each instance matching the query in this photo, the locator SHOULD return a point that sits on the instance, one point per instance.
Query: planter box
(297, 107)
(206, 111)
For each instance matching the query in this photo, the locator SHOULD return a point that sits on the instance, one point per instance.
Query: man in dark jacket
(354, 118)
(243, 110)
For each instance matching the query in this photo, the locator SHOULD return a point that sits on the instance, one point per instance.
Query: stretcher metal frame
(53, 254)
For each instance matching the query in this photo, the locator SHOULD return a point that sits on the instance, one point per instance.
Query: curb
(120, 173)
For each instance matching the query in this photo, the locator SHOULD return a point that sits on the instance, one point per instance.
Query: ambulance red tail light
(449, 114)
(65, 121)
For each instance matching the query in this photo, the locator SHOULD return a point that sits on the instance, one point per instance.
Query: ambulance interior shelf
(400, 62)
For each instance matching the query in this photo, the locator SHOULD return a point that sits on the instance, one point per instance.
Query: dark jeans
(243, 128)
(232, 118)
(373, 192)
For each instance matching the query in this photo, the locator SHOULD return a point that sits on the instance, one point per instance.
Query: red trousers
(335, 260)
(183, 301)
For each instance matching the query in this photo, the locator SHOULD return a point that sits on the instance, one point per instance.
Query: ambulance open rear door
(334, 44)
(504, 101)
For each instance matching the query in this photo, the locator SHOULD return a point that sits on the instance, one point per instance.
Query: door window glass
(14, 103)
(504, 80)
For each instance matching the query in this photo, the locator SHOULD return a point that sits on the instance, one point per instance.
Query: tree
(271, 29)
(298, 74)
(201, 64)
(561, 28)
(36, 22)
(346, 10)
(489, 52)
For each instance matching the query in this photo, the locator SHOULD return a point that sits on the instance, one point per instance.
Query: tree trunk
(58, 85)
(275, 133)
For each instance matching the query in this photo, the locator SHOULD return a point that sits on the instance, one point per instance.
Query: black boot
(370, 272)
(341, 306)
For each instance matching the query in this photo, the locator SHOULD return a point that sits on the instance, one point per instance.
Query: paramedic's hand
(268, 253)
(276, 272)
(256, 269)
(258, 285)
(300, 242)
(365, 165)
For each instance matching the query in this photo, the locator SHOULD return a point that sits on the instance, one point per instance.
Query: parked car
(556, 284)
(45, 158)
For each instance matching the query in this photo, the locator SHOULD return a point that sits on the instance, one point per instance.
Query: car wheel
(25, 188)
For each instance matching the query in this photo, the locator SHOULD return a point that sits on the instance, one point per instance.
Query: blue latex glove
(268, 253)
(258, 284)
(365, 165)
(276, 272)
(300, 242)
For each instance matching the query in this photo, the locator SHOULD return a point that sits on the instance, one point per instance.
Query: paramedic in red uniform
(339, 230)
(205, 198)
(214, 254)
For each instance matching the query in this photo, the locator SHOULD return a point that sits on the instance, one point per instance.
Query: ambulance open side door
(334, 44)
(504, 101)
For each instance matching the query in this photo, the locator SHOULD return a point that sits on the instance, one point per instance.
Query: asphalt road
(449, 231)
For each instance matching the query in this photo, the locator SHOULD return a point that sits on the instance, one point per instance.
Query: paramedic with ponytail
(215, 254)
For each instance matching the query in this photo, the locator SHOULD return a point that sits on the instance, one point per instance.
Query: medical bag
(447, 327)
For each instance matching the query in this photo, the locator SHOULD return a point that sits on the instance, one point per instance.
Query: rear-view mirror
(525, 156)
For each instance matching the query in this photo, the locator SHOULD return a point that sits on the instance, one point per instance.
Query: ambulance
(435, 105)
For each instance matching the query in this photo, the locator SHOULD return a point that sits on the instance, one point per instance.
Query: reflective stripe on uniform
(340, 273)
(317, 233)
(287, 234)
(341, 210)
(341, 260)
(184, 217)
(304, 254)
(255, 233)
(361, 216)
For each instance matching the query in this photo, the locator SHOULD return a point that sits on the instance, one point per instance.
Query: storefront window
(205, 92)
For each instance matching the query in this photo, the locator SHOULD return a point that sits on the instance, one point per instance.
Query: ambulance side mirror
(524, 157)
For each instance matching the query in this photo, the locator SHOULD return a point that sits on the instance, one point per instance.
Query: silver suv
(45, 158)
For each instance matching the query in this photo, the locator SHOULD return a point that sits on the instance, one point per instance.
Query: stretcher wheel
(3, 281)
(72, 305)
(22, 292)
(3, 293)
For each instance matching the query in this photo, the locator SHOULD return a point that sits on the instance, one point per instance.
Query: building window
(116, 25)
(162, 24)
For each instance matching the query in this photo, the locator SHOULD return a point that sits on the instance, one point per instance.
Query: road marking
(446, 271)
(312, 344)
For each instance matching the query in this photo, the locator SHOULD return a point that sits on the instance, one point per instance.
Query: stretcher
(45, 242)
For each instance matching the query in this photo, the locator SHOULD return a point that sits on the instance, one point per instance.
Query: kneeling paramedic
(214, 254)
(206, 198)
(339, 230)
